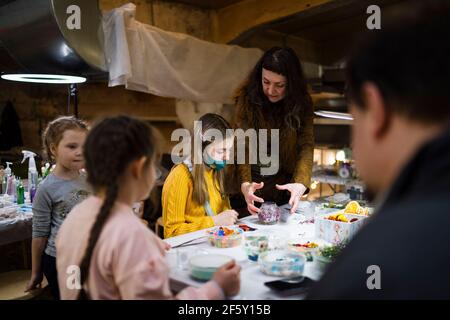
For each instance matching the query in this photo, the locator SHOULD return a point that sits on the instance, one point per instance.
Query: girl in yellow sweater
(193, 196)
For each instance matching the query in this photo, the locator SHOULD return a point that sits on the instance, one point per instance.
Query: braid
(96, 230)
(109, 148)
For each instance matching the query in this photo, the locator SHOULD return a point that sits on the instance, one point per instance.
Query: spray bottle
(6, 176)
(8, 170)
(32, 173)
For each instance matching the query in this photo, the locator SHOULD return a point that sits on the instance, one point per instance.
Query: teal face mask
(214, 164)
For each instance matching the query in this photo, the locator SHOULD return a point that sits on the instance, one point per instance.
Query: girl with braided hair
(104, 251)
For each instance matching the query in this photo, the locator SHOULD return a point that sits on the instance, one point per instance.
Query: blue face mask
(214, 164)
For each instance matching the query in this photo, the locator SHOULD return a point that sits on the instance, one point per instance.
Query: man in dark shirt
(399, 96)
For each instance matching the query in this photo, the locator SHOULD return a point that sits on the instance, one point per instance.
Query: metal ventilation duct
(35, 38)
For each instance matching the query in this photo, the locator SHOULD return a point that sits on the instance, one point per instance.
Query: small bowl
(203, 267)
(225, 241)
(321, 262)
(270, 213)
(255, 244)
(297, 246)
(282, 263)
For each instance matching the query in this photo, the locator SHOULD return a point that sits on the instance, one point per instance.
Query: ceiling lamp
(43, 78)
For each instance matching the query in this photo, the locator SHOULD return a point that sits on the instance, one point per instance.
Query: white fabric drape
(145, 58)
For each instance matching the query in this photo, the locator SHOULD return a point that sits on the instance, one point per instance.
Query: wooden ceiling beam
(232, 21)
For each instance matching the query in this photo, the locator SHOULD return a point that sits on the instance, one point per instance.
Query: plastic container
(324, 255)
(302, 246)
(203, 267)
(321, 262)
(338, 231)
(282, 263)
(270, 213)
(225, 237)
(255, 244)
(183, 255)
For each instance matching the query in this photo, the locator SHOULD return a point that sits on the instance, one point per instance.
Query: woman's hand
(248, 189)
(228, 278)
(35, 282)
(225, 218)
(296, 190)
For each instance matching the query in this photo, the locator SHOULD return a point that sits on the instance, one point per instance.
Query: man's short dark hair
(409, 61)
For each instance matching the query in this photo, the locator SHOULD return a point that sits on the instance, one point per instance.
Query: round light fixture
(43, 78)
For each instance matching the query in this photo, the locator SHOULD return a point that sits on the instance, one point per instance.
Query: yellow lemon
(352, 207)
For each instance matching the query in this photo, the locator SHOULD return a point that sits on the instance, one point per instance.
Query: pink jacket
(128, 260)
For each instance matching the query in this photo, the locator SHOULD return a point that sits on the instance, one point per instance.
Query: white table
(252, 279)
(17, 228)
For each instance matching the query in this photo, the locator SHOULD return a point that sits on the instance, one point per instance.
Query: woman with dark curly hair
(275, 96)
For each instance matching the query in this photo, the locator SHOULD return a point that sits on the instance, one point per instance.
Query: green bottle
(20, 193)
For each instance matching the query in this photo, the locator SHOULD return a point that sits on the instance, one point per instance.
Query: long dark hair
(109, 148)
(283, 61)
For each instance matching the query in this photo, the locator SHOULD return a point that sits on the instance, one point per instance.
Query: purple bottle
(32, 193)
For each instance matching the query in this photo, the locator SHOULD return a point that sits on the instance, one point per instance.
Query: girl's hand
(228, 278)
(167, 246)
(296, 190)
(34, 282)
(248, 189)
(162, 245)
(225, 218)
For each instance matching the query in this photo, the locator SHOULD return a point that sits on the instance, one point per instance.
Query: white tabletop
(252, 279)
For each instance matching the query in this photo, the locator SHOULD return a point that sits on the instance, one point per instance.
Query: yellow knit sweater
(180, 213)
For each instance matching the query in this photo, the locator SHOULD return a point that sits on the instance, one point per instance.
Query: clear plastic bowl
(203, 267)
(225, 241)
(321, 262)
(282, 263)
(295, 245)
(255, 244)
